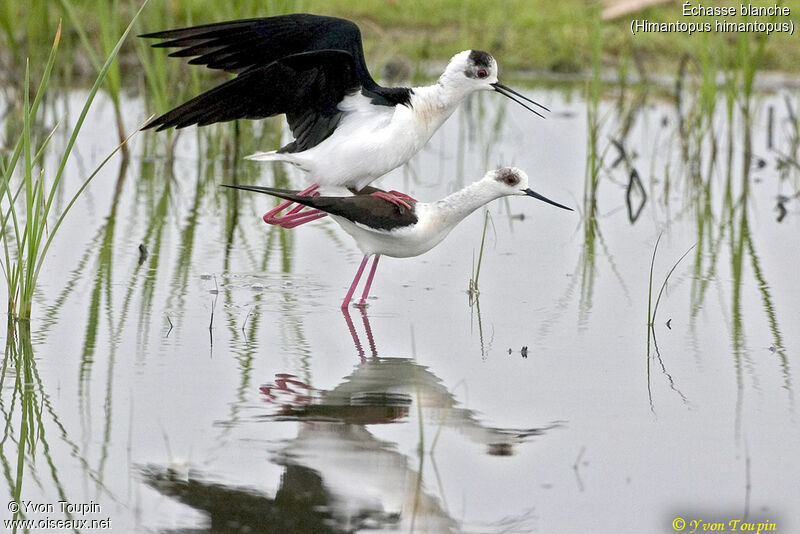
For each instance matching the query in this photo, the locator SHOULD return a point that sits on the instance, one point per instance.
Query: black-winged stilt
(384, 228)
(348, 130)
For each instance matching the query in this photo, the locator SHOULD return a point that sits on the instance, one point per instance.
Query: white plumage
(371, 140)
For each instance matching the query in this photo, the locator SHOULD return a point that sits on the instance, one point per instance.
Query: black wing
(306, 87)
(241, 45)
(370, 211)
(301, 65)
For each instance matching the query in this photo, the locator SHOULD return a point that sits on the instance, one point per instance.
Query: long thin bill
(513, 92)
(508, 92)
(534, 194)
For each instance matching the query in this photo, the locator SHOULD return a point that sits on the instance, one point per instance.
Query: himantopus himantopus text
(384, 228)
(347, 129)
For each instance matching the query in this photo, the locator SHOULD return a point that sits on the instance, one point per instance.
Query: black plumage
(362, 208)
(239, 45)
(300, 65)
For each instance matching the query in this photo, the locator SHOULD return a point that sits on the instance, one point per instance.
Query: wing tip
(150, 125)
(159, 122)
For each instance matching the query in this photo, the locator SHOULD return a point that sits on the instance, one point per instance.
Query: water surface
(214, 385)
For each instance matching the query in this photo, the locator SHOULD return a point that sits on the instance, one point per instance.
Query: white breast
(372, 140)
(405, 242)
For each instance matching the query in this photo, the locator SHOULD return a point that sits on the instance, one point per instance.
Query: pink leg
(389, 197)
(368, 330)
(291, 221)
(355, 283)
(353, 334)
(286, 203)
(296, 216)
(363, 302)
(403, 196)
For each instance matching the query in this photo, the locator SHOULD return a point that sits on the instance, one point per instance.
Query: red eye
(482, 73)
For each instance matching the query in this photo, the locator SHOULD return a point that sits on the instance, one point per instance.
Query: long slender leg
(398, 194)
(301, 218)
(368, 329)
(295, 216)
(363, 301)
(388, 197)
(286, 203)
(355, 282)
(353, 333)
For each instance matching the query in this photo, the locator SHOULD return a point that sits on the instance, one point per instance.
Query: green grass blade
(24, 251)
(72, 202)
(13, 272)
(664, 285)
(87, 43)
(650, 288)
(71, 143)
(48, 69)
(480, 253)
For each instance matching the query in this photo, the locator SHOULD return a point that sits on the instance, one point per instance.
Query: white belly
(404, 242)
(369, 142)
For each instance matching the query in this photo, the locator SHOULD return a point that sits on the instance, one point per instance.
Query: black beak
(507, 92)
(254, 188)
(531, 193)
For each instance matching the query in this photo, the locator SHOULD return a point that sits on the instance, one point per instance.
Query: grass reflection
(707, 157)
(719, 143)
(28, 411)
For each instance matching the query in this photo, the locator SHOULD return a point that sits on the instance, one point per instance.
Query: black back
(365, 209)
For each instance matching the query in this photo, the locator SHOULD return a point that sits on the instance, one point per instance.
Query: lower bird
(409, 228)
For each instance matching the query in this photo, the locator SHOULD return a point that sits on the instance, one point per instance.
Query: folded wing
(364, 209)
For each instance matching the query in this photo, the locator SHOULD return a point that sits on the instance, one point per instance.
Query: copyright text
(690, 526)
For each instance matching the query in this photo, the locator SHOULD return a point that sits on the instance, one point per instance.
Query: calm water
(215, 386)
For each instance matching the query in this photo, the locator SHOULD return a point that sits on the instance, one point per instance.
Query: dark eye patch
(508, 177)
(480, 58)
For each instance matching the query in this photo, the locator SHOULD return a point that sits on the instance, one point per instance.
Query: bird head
(470, 70)
(511, 181)
(476, 70)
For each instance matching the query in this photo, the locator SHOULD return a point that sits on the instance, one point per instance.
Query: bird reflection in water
(338, 476)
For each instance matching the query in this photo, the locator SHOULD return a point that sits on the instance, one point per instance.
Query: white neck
(453, 208)
(433, 104)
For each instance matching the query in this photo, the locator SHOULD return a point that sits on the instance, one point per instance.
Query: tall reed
(28, 206)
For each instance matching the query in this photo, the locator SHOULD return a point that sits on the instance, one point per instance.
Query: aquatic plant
(104, 11)
(652, 308)
(473, 282)
(28, 207)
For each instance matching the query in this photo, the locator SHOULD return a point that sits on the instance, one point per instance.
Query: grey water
(191, 370)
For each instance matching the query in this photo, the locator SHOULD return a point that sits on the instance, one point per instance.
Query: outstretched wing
(369, 211)
(242, 45)
(301, 65)
(307, 87)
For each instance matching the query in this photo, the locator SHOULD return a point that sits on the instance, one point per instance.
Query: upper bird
(347, 129)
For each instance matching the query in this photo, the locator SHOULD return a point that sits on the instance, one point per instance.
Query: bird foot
(292, 220)
(394, 198)
(398, 194)
(287, 390)
(295, 216)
